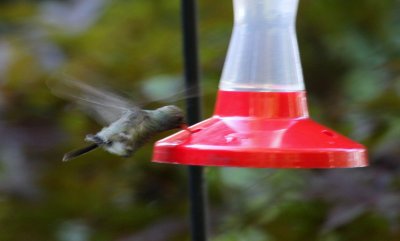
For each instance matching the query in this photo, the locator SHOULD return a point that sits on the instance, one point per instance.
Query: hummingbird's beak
(185, 127)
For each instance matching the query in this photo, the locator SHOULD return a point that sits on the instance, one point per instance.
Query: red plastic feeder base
(260, 129)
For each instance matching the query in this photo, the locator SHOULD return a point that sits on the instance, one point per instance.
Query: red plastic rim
(260, 129)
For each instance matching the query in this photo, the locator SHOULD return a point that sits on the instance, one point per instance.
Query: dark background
(350, 52)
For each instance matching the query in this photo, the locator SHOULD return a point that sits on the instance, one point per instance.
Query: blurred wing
(104, 105)
(167, 89)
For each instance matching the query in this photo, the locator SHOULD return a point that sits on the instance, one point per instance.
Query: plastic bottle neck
(280, 12)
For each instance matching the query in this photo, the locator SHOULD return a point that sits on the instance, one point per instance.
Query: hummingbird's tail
(71, 155)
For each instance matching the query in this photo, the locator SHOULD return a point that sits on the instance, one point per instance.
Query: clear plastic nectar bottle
(263, 53)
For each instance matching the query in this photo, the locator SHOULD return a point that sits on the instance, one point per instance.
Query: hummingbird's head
(169, 117)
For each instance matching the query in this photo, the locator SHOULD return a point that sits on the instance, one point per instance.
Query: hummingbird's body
(124, 136)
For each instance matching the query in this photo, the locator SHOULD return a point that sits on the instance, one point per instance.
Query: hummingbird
(127, 126)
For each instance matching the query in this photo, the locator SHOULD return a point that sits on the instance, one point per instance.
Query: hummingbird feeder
(261, 117)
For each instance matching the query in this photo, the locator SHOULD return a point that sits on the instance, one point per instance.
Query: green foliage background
(350, 53)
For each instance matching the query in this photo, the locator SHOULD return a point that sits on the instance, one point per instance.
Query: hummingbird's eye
(180, 119)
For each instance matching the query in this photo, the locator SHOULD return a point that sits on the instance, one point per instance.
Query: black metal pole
(197, 190)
